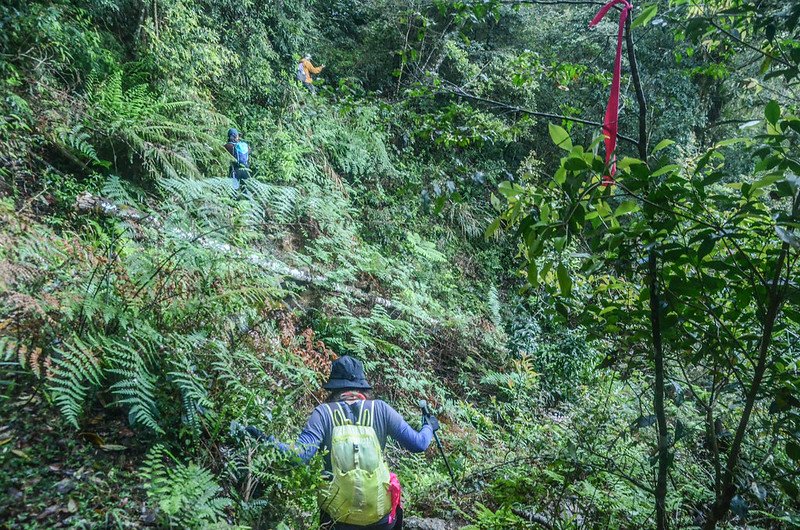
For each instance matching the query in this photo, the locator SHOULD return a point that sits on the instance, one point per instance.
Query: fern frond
(77, 141)
(136, 386)
(120, 192)
(187, 494)
(74, 370)
(9, 349)
(195, 398)
(155, 130)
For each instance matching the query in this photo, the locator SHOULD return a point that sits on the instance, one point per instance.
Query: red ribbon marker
(611, 121)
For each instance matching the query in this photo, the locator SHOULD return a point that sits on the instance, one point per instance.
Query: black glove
(258, 434)
(430, 420)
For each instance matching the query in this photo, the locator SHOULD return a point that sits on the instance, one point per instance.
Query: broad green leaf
(706, 247)
(533, 274)
(772, 112)
(666, 169)
(560, 176)
(602, 208)
(626, 207)
(663, 144)
(577, 151)
(730, 141)
(546, 269)
(575, 163)
(544, 213)
(765, 64)
(627, 162)
(560, 136)
(492, 228)
(793, 123)
(508, 189)
(645, 17)
(535, 249)
(766, 181)
(495, 202)
(564, 280)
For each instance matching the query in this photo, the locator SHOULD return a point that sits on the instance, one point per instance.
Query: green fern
(372, 333)
(194, 396)
(75, 369)
(471, 221)
(77, 140)
(135, 387)
(211, 200)
(188, 495)
(159, 132)
(424, 249)
(9, 349)
(122, 192)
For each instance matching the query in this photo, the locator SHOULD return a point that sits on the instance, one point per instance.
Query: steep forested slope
(405, 215)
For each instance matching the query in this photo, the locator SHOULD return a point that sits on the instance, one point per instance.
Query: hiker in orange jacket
(304, 70)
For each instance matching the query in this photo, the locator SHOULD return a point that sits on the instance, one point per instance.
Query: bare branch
(458, 91)
(750, 46)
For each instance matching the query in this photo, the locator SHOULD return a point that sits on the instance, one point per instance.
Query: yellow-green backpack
(358, 493)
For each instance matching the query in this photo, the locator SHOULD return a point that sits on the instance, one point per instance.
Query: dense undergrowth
(134, 340)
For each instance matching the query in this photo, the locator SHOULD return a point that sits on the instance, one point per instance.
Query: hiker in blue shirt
(240, 165)
(354, 427)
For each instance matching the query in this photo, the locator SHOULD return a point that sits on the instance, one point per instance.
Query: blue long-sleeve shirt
(387, 422)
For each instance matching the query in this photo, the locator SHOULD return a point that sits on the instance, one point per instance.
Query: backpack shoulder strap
(340, 414)
(335, 414)
(366, 415)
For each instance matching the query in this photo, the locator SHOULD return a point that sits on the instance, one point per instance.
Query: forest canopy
(605, 322)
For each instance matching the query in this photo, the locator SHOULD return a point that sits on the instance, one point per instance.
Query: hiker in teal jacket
(239, 150)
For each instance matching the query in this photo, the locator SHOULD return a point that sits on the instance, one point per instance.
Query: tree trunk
(655, 309)
(658, 397)
(723, 501)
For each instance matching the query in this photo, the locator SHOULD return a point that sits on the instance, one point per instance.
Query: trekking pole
(427, 412)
